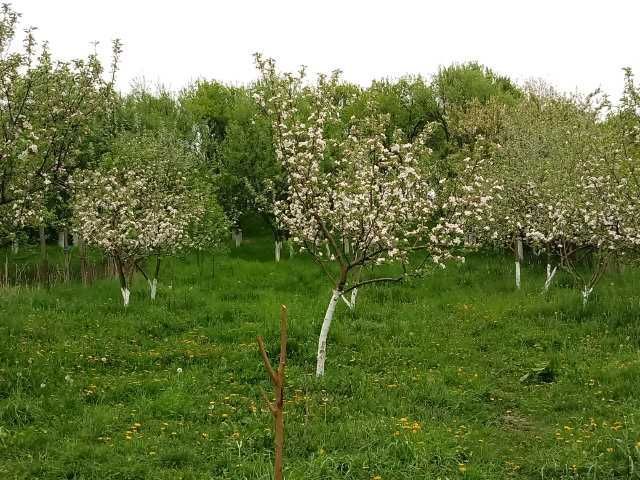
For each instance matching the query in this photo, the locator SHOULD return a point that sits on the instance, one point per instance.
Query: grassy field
(456, 375)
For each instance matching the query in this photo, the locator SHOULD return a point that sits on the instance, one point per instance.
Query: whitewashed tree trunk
(153, 288)
(586, 292)
(63, 240)
(237, 236)
(550, 274)
(346, 302)
(519, 258)
(324, 333)
(278, 249)
(15, 246)
(292, 251)
(122, 276)
(519, 250)
(346, 247)
(125, 296)
(354, 295)
(354, 292)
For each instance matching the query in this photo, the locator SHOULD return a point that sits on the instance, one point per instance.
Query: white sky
(572, 44)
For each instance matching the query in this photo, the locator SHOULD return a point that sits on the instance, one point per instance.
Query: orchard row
(408, 173)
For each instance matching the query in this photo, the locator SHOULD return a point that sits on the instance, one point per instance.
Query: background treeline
(234, 138)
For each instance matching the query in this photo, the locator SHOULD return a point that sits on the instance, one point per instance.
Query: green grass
(424, 380)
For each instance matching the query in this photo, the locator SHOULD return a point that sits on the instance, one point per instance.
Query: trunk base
(586, 292)
(278, 249)
(125, 296)
(153, 288)
(550, 274)
(324, 333)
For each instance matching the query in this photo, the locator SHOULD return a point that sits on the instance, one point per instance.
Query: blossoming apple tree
(47, 112)
(563, 185)
(145, 198)
(357, 197)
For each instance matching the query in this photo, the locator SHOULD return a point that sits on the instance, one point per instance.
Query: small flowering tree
(582, 216)
(488, 129)
(145, 199)
(562, 184)
(623, 126)
(533, 148)
(47, 112)
(357, 198)
(603, 217)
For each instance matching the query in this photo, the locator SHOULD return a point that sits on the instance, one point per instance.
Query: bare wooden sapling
(278, 380)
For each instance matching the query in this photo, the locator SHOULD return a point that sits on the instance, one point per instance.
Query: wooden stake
(277, 379)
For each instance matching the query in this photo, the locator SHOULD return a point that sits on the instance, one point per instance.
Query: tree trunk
(63, 239)
(550, 274)
(153, 288)
(82, 251)
(67, 265)
(278, 420)
(354, 292)
(519, 249)
(354, 295)
(519, 258)
(15, 246)
(277, 377)
(124, 286)
(153, 283)
(44, 262)
(586, 292)
(324, 332)
(278, 248)
(237, 236)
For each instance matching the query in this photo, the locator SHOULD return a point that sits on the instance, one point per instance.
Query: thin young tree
(356, 196)
(277, 377)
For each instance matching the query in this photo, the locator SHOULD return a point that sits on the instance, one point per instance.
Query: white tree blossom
(357, 195)
(145, 199)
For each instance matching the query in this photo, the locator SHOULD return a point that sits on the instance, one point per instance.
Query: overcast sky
(572, 44)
